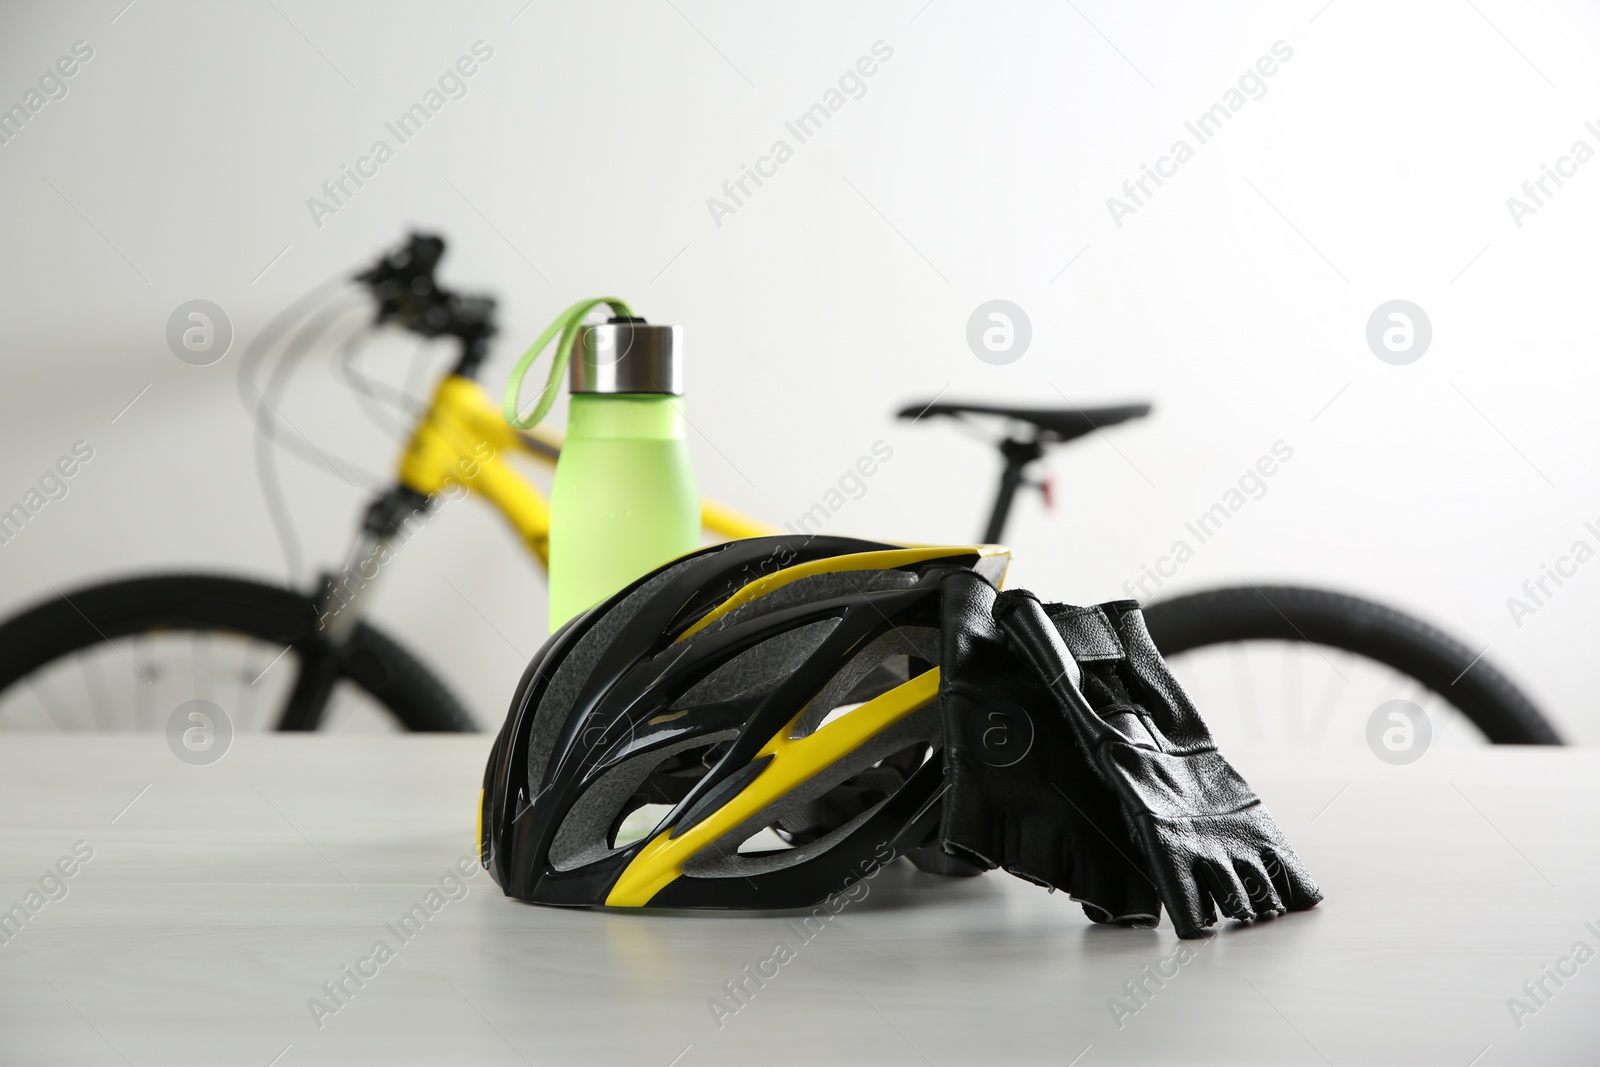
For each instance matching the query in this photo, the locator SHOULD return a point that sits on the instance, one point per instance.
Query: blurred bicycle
(1289, 664)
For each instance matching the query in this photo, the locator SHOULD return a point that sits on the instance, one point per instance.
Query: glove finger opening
(1263, 897)
(1289, 877)
(1185, 896)
(1108, 884)
(1226, 889)
(1138, 919)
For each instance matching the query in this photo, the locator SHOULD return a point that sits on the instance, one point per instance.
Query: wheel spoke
(143, 700)
(1338, 681)
(241, 682)
(50, 707)
(1243, 689)
(92, 687)
(202, 666)
(1294, 704)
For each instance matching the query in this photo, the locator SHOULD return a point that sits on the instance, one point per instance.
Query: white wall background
(976, 166)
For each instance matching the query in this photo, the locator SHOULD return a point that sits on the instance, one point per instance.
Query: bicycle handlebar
(408, 296)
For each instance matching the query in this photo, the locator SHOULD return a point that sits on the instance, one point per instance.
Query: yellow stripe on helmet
(794, 760)
(884, 560)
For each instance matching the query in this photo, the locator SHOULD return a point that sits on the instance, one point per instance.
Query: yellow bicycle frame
(464, 439)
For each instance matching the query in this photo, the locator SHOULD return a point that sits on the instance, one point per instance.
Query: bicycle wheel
(1281, 638)
(126, 654)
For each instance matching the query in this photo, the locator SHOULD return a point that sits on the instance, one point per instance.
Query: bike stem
(474, 349)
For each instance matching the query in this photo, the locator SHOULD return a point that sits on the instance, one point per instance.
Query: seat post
(1018, 455)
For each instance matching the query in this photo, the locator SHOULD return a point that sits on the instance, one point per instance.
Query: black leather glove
(1021, 795)
(1200, 830)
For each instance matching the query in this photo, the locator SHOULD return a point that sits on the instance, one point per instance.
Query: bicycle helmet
(748, 726)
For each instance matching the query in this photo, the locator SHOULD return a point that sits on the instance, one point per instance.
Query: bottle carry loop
(567, 324)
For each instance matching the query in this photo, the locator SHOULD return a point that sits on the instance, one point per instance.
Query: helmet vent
(763, 841)
(759, 669)
(638, 824)
(887, 661)
(593, 827)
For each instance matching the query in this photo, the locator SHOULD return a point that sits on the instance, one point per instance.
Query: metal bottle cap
(628, 356)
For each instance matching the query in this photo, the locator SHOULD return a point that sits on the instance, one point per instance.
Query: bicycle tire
(375, 662)
(1488, 699)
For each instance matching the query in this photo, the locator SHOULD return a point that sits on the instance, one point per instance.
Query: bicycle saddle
(1053, 424)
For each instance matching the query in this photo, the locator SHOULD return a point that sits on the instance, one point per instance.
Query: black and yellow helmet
(748, 726)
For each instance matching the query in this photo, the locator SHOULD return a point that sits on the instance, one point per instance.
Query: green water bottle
(624, 499)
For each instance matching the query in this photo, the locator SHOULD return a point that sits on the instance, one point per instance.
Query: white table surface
(218, 903)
